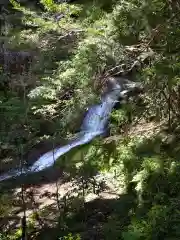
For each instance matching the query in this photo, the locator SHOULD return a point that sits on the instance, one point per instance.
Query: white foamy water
(94, 124)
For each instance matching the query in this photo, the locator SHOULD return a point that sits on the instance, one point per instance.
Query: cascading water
(94, 124)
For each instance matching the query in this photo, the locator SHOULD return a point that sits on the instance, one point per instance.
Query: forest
(55, 58)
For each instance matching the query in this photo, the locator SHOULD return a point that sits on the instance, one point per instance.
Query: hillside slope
(54, 63)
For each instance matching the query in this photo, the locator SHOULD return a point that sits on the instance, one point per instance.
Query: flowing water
(94, 124)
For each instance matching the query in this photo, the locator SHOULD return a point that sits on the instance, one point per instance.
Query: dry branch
(69, 34)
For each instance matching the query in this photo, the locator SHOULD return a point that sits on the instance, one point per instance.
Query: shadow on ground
(92, 220)
(104, 218)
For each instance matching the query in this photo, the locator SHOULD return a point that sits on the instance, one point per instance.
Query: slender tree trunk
(169, 106)
(23, 220)
(57, 189)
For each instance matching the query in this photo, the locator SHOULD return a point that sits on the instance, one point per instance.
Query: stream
(95, 123)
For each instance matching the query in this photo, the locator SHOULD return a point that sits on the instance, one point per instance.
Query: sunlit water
(94, 124)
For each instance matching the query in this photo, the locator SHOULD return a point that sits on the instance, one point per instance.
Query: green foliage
(3, 237)
(70, 56)
(71, 237)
